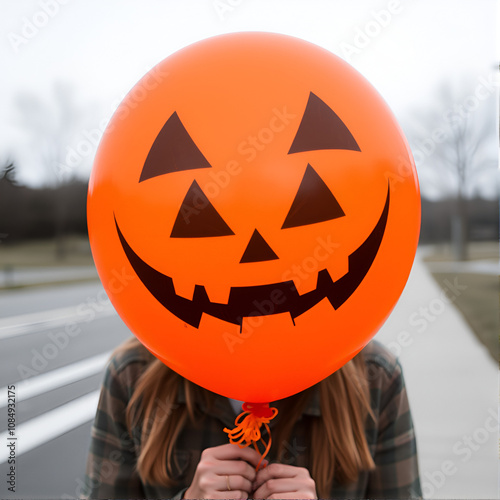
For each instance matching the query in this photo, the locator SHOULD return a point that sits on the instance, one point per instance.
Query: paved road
(451, 379)
(57, 372)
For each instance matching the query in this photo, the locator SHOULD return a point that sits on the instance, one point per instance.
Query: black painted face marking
(258, 250)
(314, 202)
(197, 217)
(321, 128)
(172, 151)
(244, 301)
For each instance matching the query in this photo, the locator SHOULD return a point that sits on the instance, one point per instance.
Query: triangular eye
(197, 217)
(314, 202)
(321, 128)
(172, 151)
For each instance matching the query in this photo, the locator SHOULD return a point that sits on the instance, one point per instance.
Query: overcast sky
(407, 49)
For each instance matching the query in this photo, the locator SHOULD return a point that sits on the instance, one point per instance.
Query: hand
(284, 481)
(223, 467)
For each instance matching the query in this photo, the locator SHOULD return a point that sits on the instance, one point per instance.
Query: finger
(231, 483)
(275, 471)
(233, 494)
(234, 452)
(235, 468)
(276, 486)
(292, 495)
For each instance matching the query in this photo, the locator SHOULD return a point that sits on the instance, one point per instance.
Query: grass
(476, 250)
(479, 304)
(69, 251)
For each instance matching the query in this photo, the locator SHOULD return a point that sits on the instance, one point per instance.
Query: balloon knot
(248, 424)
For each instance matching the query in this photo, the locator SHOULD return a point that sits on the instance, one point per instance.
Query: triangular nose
(258, 250)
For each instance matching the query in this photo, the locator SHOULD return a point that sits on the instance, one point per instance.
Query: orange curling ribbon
(248, 424)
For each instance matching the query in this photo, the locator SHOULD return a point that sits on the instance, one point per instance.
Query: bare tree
(50, 126)
(454, 148)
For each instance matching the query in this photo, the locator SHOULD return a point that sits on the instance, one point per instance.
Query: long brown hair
(338, 443)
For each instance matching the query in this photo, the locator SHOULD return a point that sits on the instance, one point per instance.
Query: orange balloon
(253, 213)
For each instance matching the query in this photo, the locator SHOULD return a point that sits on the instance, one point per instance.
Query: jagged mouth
(247, 301)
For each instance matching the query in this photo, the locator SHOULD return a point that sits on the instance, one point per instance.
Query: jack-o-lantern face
(174, 151)
(261, 208)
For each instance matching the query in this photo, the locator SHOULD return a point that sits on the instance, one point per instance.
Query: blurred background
(66, 67)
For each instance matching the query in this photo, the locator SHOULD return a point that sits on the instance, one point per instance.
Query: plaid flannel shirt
(111, 465)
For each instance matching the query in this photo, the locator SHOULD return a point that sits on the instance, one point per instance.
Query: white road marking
(59, 377)
(50, 425)
(23, 324)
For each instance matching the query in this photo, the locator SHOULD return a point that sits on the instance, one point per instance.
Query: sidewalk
(453, 389)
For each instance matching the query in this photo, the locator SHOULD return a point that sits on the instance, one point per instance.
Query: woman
(157, 435)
